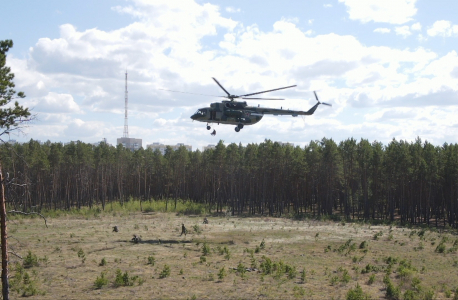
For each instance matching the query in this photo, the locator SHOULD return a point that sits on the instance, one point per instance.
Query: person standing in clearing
(183, 230)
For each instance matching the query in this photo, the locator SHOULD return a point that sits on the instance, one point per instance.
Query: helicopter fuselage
(228, 112)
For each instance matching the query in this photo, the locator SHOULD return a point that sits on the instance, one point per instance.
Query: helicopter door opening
(213, 115)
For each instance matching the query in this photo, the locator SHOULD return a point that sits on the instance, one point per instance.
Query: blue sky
(389, 68)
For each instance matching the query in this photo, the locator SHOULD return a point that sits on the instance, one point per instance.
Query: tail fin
(312, 110)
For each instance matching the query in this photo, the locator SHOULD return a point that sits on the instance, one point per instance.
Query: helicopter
(239, 113)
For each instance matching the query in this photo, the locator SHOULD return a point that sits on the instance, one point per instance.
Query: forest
(407, 182)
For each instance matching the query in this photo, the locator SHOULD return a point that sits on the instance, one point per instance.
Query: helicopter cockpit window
(201, 112)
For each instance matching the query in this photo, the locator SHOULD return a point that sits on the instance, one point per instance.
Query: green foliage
(30, 260)
(371, 279)
(205, 249)
(203, 259)
(151, 260)
(377, 235)
(356, 293)
(124, 279)
(11, 116)
(266, 265)
(241, 269)
(100, 281)
(81, 255)
(303, 276)
(391, 291)
(197, 229)
(165, 272)
(370, 268)
(103, 262)
(23, 283)
(291, 270)
(262, 246)
(222, 273)
(440, 248)
(299, 292)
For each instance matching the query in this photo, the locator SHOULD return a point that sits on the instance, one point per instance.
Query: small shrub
(392, 292)
(299, 292)
(205, 249)
(410, 295)
(165, 272)
(363, 245)
(151, 260)
(197, 229)
(81, 255)
(222, 273)
(345, 277)
(303, 276)
(291, 272)
(377, 235)
(103, 262)
(262, 246)
(356, 293)
(123, 279)
(241, 269)
(334, 280)
(30, 260)
(100, 281)
(440, 248)
(371, 279)
(203, 259)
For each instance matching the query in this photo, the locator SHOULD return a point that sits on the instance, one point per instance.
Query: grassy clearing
(79, 256)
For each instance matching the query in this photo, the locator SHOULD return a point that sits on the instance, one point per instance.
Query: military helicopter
(240, 114)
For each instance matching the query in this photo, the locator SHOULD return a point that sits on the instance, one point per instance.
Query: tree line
(414, 182)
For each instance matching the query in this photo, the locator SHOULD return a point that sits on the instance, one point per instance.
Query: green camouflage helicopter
(240, 114)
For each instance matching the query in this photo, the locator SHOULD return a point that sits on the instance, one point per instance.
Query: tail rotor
(316, 97)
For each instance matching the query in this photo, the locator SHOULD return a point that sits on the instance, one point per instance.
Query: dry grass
(300, 244)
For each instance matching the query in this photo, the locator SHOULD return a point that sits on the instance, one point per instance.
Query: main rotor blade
(221, 86)
(191, 93)
(263, 98)
(282, 88)
(326, 104)
(316, 96)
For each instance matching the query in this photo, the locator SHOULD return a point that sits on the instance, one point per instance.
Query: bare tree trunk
(5, 290)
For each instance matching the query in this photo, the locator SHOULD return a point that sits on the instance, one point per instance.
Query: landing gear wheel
(237, 129)
(240, 126)
(208, 127)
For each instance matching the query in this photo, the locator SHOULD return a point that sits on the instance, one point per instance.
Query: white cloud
(388, 11)
(404, 31)
(416, 26)
(54, 103)
(231, 9)
(327, 5)
(443, 28)
(382, 30)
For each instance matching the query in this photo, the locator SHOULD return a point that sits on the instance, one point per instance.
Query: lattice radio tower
(126, 99)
